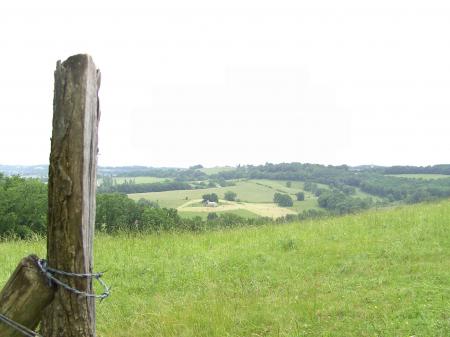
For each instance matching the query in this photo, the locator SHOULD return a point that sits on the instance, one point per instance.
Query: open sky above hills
(223, 83)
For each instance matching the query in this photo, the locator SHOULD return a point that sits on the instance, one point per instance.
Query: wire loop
(50, 272)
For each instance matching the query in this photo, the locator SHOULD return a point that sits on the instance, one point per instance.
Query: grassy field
(247, 191)
(261, 209)
(241, 212)
(310, 201)
(256, 197)
(280, 185)
(300, 206)
(421, 176)
(380, 273)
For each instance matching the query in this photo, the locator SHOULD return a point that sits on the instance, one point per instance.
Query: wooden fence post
(24, 296)
(71, 195)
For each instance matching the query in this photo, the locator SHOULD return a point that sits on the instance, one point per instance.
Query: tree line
(346, 180)
(178, 174)
(23, 213)
(128, 187)
(23, 202)
(435, 169)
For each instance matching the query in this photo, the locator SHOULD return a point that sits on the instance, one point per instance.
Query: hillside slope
(380, 273)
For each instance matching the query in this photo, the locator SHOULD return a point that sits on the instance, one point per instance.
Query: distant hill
(41, 171)
(35, 171)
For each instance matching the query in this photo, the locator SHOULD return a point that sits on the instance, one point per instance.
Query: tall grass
(380, 273)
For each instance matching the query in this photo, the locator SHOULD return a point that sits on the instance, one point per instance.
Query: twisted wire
(49, 273)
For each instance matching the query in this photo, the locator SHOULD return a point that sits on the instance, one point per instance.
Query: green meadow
(378, 273)
(246, 191)
(308, 203)
(251, 192)
(255, 191)
(240, 212)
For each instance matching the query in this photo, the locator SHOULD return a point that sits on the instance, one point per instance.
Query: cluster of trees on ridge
(340, 203)
(435, 169)
(345, 179)
(177, 174)
(128, 186)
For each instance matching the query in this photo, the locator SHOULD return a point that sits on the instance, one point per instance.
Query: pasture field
(247, 191)
(260, 209)
(379, 273)
(421, 176)
(280, 187)
(308, 203)
(311, 199)
(241, 212)
(256, 197)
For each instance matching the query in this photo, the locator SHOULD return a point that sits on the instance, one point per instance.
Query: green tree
(147, 203)
(230, 196)
(210, 197)
(288, 184)
(300, 196)
(23, 206)
(115, 211)
(283, 200)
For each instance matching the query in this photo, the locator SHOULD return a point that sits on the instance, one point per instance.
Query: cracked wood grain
(71, 194)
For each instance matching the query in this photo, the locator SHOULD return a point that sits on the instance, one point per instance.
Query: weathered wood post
(71, 195)
(24, 296)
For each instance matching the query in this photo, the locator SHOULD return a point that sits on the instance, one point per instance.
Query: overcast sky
(229, 82)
